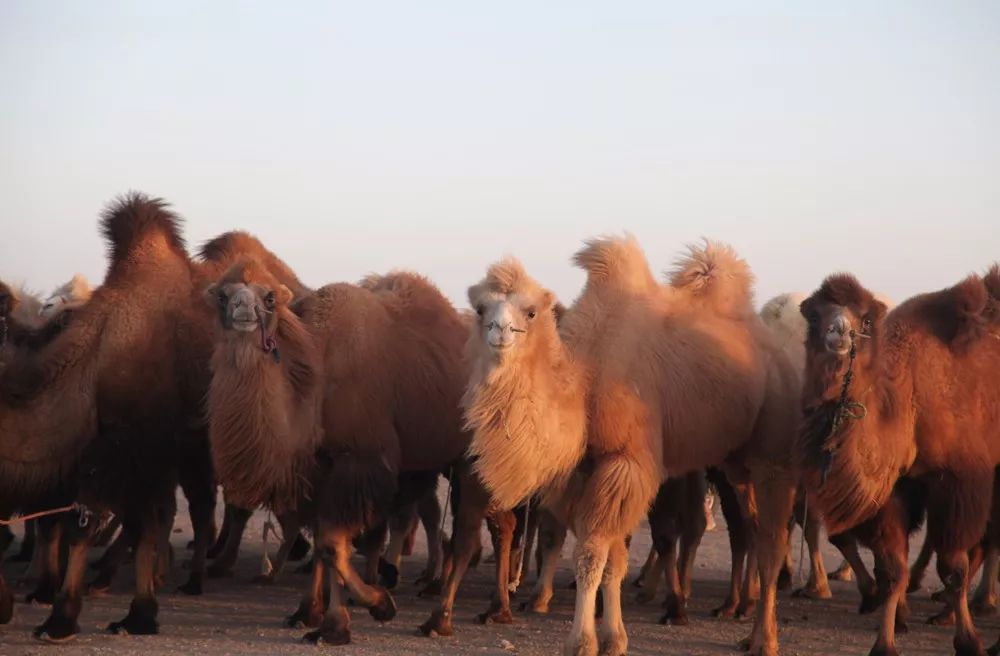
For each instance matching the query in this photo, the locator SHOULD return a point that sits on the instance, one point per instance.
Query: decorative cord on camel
(84, 521)
(846, 409)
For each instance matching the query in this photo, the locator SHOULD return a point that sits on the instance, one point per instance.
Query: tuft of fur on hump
(228, 246)
(617, 262)
(782, 317)
(992, 282)
(133, 218)
(526, 412)
(713, 273)
(264, 415)
(956, 315)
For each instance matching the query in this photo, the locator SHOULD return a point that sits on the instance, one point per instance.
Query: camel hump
(616, 261)
(713, 272)
(230, 245)
(408, 286)
(962, 310)
(992, 282)
(133, 217)
(781, 307)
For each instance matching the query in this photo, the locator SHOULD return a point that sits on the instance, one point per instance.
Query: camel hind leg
(62, 623)
(847, 544)
(551, 537)
(737, 531)
(774, 489)
(430, 514)
(818, 585)
(222, 566)
(501, 525)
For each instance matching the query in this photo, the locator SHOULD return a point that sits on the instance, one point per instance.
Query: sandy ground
(235, 616)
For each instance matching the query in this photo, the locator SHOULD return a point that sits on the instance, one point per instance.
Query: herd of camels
(340, 409)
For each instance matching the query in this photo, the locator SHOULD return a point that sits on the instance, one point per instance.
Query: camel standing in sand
(646, 351)
(913, 392)
(321, 409)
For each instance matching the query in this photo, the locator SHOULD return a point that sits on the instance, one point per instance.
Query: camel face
(51, 305)
(248, 299)
(841, 314)
(245, 307)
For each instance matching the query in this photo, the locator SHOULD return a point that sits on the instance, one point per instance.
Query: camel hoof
(944, 618)
(141, 619)
(56, 631)
(340, 636)
(939, 596)
(388, 574)
(536, 605)
(970, 648)
(193, 587)
(678, 618)
(304, 619)
(502, 616)
(263, 579)
(784, 579)
(586, 645)
(844, 574)
(983, 608)
(6, 606)
(869, 604)
(725, 611)
(385, 609)
(812, 593)
(883, 651)
(439, 624)
(745, 610)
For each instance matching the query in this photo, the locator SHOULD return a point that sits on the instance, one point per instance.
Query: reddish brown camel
(913, 392)
(322, 408)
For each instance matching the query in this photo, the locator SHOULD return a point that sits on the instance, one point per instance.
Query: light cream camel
(678, 377)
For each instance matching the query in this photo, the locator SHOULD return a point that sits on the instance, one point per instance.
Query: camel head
(839, 313)
(511, 308)
(248, 299)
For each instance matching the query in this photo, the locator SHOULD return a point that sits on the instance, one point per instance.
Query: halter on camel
(846, 409)
(268, 343)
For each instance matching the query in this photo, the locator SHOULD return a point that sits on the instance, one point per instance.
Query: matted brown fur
(264, 421)
(523, 406)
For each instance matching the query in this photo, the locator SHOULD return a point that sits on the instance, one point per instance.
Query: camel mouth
(501, 346)
(244, 326)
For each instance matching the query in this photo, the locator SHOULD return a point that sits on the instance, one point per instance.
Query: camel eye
(269, 300)
(866, 324)
(479, 310)
(223, 298)
(531, 313)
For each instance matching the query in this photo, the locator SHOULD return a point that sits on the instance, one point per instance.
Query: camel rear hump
(133, 218)
(714, 273)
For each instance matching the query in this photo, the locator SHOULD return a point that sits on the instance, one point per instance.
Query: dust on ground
(235, 616)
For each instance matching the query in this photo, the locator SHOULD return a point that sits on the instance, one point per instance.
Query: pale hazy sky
(362, 136)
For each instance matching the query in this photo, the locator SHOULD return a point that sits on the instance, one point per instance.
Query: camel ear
(806, 307)
(473, 295)
(878, 310)
(558, 311)
(210, 294)
(284, 295)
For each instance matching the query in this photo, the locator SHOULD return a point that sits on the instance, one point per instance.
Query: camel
(912, 392)
(67, 296)
(509, 404)
(320, 407)
(110, 413)
(658, 362)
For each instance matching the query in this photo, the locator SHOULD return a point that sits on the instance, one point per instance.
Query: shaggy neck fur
(867, 460)
(264, 416)
(528, 418)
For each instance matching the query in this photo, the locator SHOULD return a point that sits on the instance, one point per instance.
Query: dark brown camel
(913, 392)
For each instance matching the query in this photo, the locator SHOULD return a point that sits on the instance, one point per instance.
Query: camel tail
(618, 262)
(617, 495)
(133, 217)
(714, 273)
